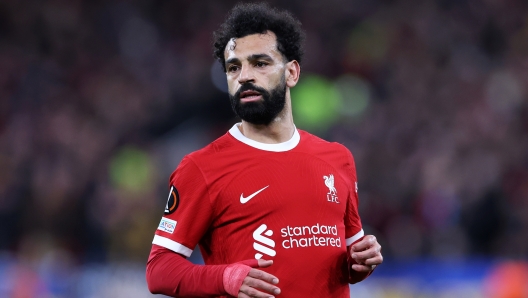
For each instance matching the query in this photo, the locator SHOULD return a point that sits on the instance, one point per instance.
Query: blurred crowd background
(100, 100)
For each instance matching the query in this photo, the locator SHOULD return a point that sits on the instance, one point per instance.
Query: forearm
(171, 274)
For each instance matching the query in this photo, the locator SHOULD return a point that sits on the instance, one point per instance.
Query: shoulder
(320, 146)
(200, 162)
(213, 149)
(213, 156)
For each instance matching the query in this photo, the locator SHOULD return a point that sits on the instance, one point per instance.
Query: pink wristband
(234, 275)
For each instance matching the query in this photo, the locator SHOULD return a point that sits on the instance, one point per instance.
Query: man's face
(255, 77)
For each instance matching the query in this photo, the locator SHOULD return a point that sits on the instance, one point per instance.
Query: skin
(259, 283)
(366, 253)
(256, 59)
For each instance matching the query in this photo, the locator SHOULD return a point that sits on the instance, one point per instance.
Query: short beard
(260, 112)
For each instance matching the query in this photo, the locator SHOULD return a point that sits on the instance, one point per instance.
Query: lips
(250, 95)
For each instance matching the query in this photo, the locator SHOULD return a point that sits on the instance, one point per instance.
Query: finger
(366, 254)
(365, 243)
(363, 268)
(259, 274)
(244, 295)
(374, 261)
(252, 293)
(259, 286)
(264, 263)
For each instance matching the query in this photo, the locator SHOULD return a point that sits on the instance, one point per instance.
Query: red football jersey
(294, 203)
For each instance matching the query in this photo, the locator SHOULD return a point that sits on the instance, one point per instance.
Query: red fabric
(240, 202)
(170, 274)
(253, 263)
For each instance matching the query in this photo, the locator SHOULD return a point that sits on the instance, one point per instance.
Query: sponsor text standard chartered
(306, 236)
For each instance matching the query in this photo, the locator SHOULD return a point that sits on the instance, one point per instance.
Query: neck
(280, 130)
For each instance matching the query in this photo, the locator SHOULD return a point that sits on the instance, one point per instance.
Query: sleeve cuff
(172, 245)
(354, 238)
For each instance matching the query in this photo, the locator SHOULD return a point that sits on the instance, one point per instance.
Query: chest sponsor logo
(244, 200)
(307, 236)
(263, 244)
(167, 225)
(295, 237)
(331, 196)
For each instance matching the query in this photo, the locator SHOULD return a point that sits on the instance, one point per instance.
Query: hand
(259, 283)
(366, 253)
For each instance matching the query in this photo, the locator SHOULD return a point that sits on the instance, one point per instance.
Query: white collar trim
(280, 147)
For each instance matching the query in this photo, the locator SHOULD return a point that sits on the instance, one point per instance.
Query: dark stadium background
(100, 100)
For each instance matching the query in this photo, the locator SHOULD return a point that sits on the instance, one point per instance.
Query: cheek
(275, 81)
(276, 76)
(232, 86)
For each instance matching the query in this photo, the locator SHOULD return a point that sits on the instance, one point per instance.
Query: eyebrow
(250, 58)
(232, 60)
(259, 56)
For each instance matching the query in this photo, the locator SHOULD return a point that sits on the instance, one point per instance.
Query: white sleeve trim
(354, 238)
(172, 245)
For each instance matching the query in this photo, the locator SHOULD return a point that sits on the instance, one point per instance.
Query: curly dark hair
(252, 18)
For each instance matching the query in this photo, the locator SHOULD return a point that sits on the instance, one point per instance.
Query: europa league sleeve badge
(172, 201)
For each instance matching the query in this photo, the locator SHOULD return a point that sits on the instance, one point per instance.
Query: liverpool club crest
(331, 196)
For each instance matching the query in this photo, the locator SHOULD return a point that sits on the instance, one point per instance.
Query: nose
(246, 75)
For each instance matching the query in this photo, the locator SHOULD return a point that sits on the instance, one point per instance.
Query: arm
(363, 252)
(171, 274)
(181, 227)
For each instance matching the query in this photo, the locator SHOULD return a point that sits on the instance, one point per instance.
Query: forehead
(243, 47)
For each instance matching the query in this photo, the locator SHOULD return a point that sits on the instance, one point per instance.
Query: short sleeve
(353, 226)
(188, 212)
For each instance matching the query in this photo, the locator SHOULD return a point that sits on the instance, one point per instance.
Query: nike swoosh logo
(246, 199)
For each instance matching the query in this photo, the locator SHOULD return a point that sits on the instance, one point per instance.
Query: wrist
(233, 277)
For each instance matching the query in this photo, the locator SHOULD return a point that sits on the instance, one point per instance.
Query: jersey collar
(280, 147)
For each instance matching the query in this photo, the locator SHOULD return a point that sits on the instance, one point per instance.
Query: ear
(292, 73)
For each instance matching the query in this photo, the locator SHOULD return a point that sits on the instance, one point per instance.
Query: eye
(261, 64)
(233, 68)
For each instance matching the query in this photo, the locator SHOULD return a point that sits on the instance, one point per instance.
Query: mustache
(247, 87)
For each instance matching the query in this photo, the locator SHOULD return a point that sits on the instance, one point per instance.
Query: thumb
(253, 263)
(265, 263)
